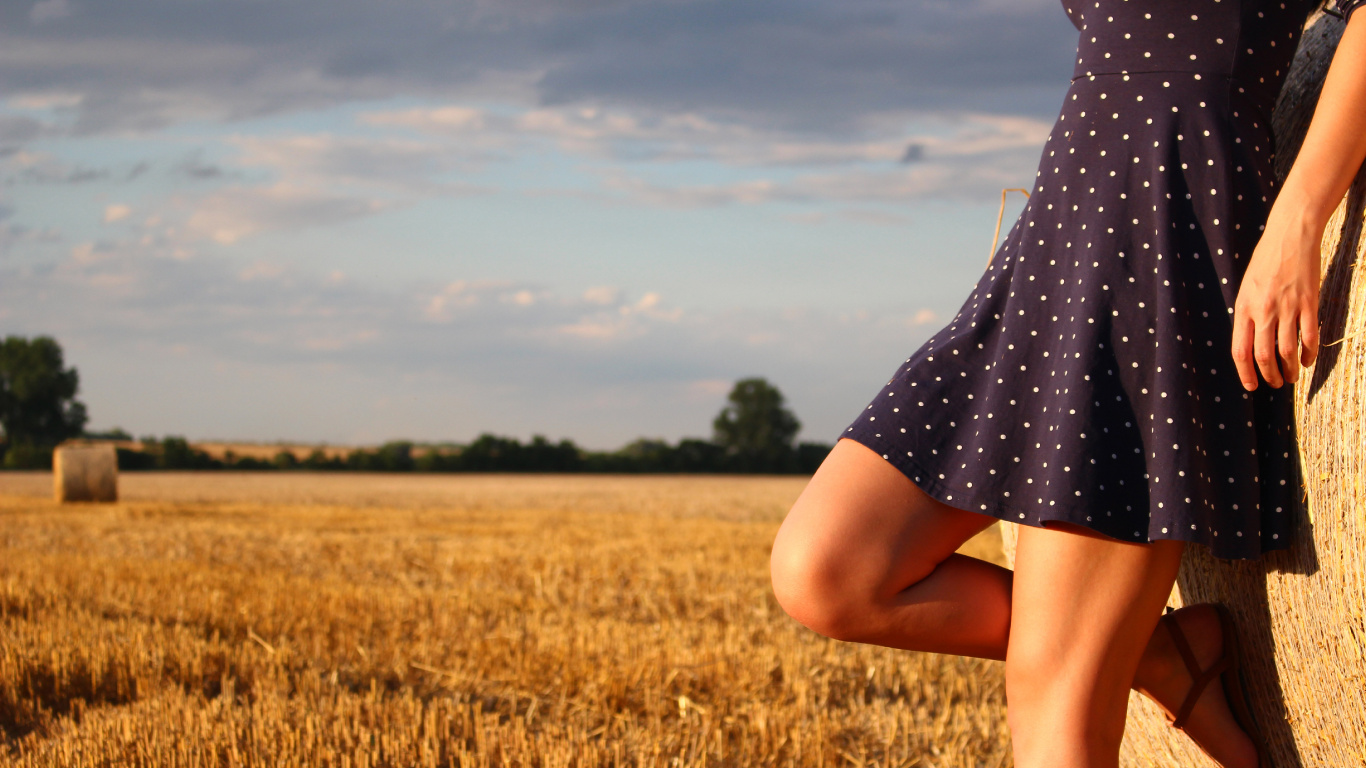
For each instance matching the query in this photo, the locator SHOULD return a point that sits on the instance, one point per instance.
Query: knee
(815, 587)
(1031, 677)
(1028, 671)
(1045, 681)
(1061, 709)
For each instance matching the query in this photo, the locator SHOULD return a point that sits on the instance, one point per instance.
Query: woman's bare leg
(865, 555)
(1084, 608)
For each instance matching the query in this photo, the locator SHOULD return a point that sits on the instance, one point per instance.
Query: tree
(755, 428)
(38, 406)
(177, 453)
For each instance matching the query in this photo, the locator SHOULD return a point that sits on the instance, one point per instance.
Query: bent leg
(1084, 609)
(865, 555)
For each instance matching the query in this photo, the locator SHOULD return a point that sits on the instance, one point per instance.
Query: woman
(1100, 388)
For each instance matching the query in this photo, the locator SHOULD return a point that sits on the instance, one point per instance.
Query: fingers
(1264, 352)
(1243, 330)
(1309, 335)
(1287, 345)
(1276, 350)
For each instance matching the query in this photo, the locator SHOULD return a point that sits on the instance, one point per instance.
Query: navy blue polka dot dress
(1088, 377)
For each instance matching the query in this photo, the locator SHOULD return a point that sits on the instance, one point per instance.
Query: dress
(1088, 377)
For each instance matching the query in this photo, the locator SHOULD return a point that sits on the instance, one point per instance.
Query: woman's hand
(1278, 300)
(1275, 318)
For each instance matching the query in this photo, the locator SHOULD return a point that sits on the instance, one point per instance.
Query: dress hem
(943, 492)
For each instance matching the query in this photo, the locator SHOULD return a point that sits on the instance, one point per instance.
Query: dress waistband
(1259, 96)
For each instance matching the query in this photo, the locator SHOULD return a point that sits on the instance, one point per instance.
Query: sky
(351, 221)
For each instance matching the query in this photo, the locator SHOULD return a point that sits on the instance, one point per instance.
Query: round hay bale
(85, 472)
(1300, 610)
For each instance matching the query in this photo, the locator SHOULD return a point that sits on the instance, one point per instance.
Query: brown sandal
(1229, 669)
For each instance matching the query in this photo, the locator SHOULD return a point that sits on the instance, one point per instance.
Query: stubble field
(288, 619)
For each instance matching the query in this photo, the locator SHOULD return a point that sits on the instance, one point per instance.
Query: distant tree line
(754, 433)
(487, 453)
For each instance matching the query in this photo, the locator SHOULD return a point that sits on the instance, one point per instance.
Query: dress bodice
(1249, 42)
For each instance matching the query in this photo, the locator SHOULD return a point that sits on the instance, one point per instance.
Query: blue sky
(351, 221)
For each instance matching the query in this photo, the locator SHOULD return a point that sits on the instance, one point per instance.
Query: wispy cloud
(465, 335)
(49, 10)
(959, 156)
(231, 214)
(622, 134)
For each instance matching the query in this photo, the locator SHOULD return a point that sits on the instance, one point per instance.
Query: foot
(1163, 677)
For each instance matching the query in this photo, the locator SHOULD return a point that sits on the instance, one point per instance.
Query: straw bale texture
(1300, 611)
(85, 472)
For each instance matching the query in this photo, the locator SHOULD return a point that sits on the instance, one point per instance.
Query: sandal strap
(1198, 679)
(1182, 647)
(1198, 687)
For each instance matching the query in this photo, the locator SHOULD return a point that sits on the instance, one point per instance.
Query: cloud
(20, 166)
(403, 166)
(311, 181)
(45, 100)
(822, 67)
(533, 313)
(49, 10)
(261, 270)
(547, 363)
(955, 176)
(924, 316)
(116, 212)
(446, 302)
(228, 215)
(958, 156)
(19, 129)
(195, 168)
(711, 388)
(13, 234)
(625, 134)
(863, 103)
(814, 64)
(602, 295)
(621, 321)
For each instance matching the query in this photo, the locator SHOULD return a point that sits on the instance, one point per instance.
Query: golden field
(237, 619)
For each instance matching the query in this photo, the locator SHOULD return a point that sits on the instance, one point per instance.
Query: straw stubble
(507, 629)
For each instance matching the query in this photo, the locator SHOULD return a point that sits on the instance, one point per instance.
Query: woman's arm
(1278, 301)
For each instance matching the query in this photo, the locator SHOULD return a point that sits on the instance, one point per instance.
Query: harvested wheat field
(349, 620)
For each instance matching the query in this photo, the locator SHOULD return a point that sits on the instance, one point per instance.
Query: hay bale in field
(1300, 610)
(85, 472)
